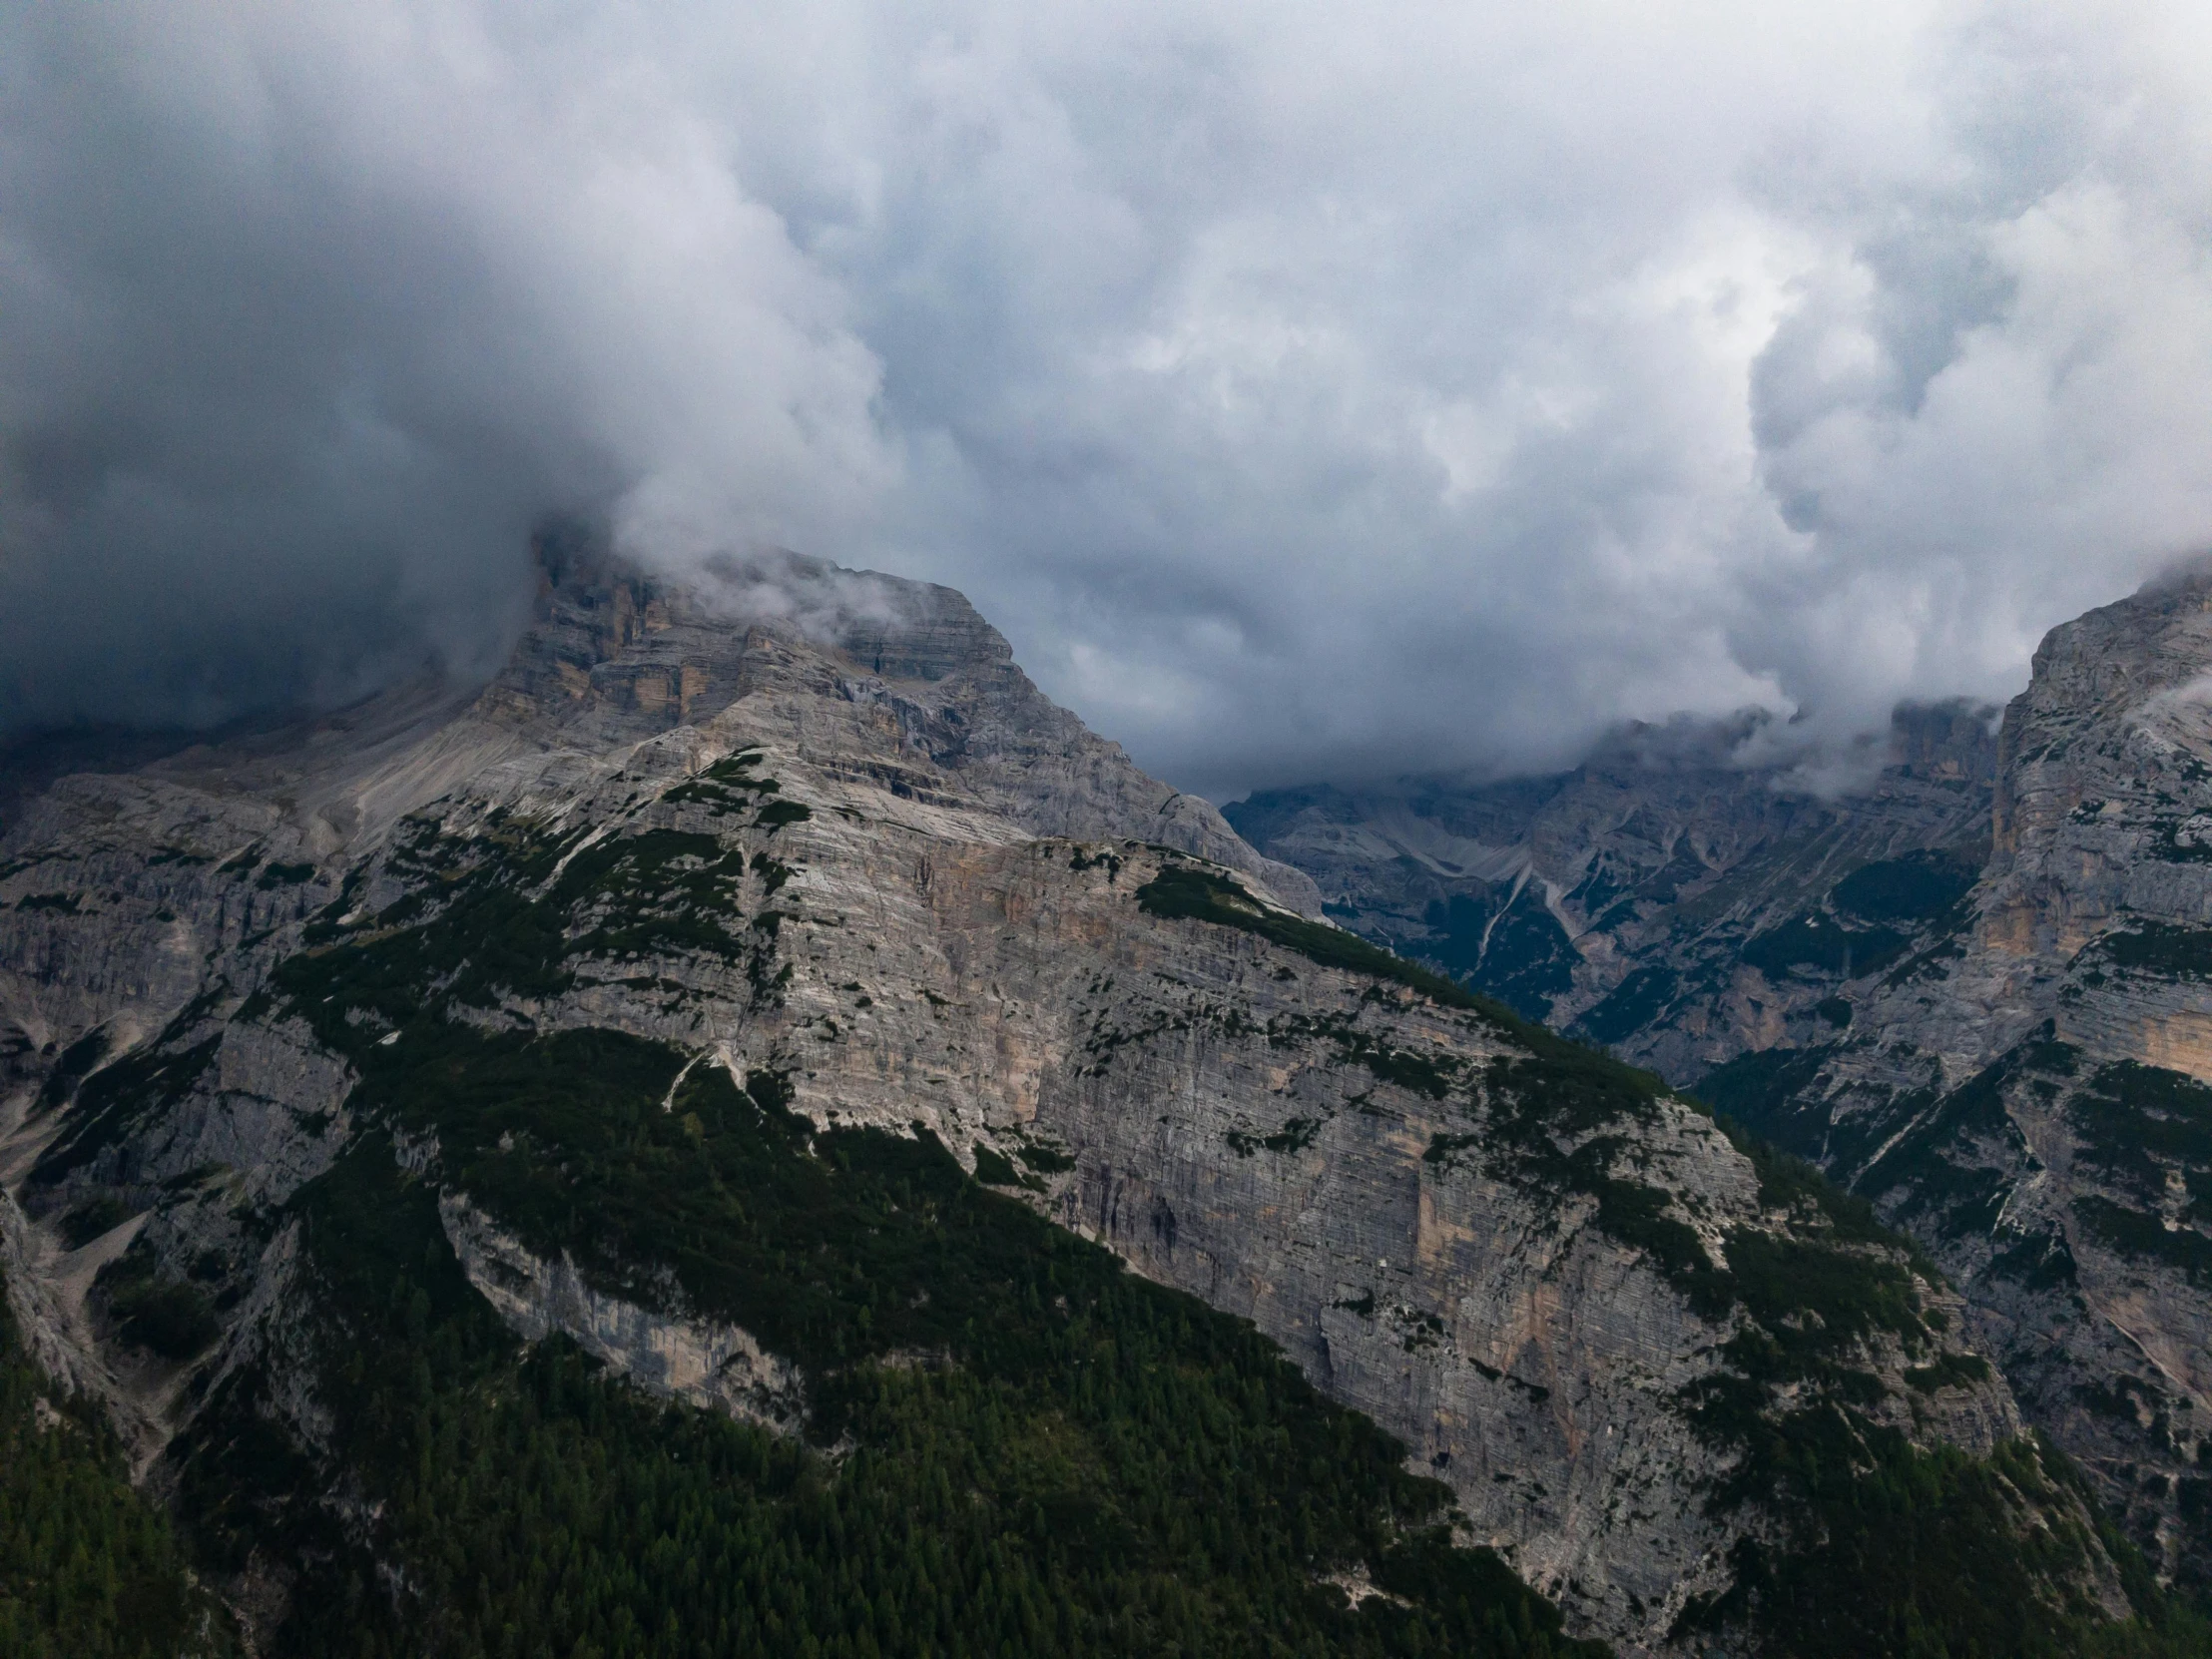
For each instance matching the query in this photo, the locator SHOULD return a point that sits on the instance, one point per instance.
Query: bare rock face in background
(1666, 897)
(1976, 989)
(813, 832)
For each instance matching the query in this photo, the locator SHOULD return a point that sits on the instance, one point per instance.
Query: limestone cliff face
(898, 683)
(815, 827)
(712, 1365)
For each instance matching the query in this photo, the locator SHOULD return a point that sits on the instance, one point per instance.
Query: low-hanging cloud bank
(1306, 390)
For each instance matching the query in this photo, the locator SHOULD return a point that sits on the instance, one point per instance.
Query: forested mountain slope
(648, 1159)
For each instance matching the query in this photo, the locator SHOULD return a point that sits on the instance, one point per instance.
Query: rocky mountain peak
(2157, 636)
(694, 625)
(2131, 677)
(1951, 742)
(879, 675)
(636, 649)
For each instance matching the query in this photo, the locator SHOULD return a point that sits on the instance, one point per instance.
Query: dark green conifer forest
(88, 1568)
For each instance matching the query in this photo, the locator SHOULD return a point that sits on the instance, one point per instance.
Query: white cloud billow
(1308, 390)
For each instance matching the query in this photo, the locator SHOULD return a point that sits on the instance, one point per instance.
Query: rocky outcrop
(2036, 1098)
(713, 1366)
(895, 683)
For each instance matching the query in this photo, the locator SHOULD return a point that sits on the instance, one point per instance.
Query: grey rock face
(1668, 896)
(2033, 1100)
(1228, 1138)
(714, 1365)
(1385, 1184)
(898, 682)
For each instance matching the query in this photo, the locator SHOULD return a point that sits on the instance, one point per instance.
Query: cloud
(1306, 391)
(310, 313)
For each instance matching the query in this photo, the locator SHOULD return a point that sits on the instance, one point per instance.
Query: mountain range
(757, 1131)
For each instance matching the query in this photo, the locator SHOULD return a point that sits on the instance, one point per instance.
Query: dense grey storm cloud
(1306, 390)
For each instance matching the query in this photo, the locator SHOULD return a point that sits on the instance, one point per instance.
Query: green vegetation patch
(1294, 1136)
(512, 912)
(1047, 1160)
(1949, 1371)
(1636, 1216)
(93, 1219)
(1431, 1072)
(660, 892)
(1184, 890)
(1567, 1090)
(152, 1310)
(2137, 1124)
(1798, 1187)
(2146, 1237)
(73, 1066)
(778, 814)
(994, 1169)
(1818, 1300)
(1919, 886)
(1824, 945)
(1630, 1006)
(119, 1096)
(2158, 948)
(2039, 1262)
(88, 1568)
(1505, 942)
(726, 786)
(1949, 1171)
(1896, 1552)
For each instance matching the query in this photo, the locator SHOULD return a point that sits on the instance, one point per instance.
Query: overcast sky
(1306, 390)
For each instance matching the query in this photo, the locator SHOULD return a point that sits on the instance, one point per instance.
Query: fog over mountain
(1307, 391)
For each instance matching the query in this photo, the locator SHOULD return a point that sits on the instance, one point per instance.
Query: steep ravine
(748, 1001)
